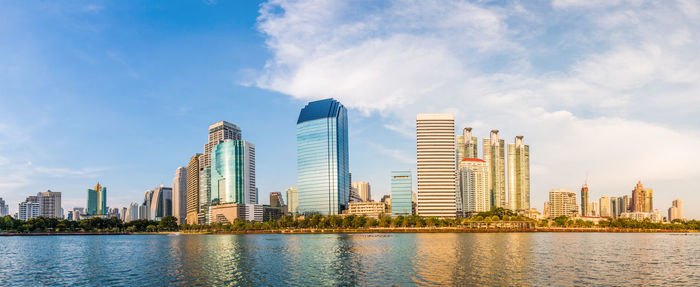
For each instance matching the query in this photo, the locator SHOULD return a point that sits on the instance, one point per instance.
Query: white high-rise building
(519, 175)
(435, 142)
(253, 212)
(494, 155)
(363, 190)
(132, 212)
(161, 203)
(676, 210)
(605, 206)
(180, 194)
(28, 210)
(473, 181)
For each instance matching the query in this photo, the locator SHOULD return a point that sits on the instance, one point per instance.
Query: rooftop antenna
(585, 183)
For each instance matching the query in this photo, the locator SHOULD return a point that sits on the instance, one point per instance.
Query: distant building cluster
(639, 205)
(218, 185)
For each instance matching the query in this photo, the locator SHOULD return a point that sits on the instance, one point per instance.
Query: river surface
(353, 259)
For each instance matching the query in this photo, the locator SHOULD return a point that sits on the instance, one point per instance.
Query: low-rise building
(273, 212)
(372, 209)
(655, 216)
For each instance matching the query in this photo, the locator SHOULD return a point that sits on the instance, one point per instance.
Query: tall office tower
(519, 175)
(292, 199)
(180, 194)
(584, 200)
(562, 202)
(145, 209)
(276, 199)
(546, 210)
(218, 133)
(495, 157)
(233, 173)
(28, 210)
(467, 146)
(642, 199)
(49, 204)
(354, 195)
(401, 193)
(613, 207)
(473, 181)
(676, 210)
(435, 145)
(363, 189)
(193, 207)
(627, 203)
(4, 209)
(649, 200)
(97, 200)
(605, 206)
(122, 214)
(323, 169)
(161, 203)
(595, 208)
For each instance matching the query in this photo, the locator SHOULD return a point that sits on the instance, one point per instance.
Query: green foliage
(168, 223)
(315, 221)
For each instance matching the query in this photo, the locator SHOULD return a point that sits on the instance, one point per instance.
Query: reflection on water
(353, 259)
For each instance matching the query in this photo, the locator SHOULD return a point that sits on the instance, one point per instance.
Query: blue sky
(122, 92)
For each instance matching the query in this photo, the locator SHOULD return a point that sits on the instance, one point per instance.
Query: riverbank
(367, 230)
(440, 230)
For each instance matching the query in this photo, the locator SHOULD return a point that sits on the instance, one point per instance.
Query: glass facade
(322, 158)
(401, 193)
(97, 200)
(232, 173)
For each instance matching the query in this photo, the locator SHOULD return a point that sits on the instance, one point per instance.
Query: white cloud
(614, 110)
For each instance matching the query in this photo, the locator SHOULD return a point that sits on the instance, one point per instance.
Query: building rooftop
(328, 108)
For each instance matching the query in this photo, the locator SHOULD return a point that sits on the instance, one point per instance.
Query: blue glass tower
(322, 158)
(233, 173)
(401, 193)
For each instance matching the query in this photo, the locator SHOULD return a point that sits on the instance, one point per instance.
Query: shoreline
(369, 231)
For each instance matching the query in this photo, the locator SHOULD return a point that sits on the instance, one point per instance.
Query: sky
(122, 92)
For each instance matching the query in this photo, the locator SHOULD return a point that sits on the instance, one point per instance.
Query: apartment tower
(494, 155)
(519, 175)
(180, 195)
(193, 206)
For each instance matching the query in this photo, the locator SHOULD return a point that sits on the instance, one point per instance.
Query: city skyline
(44, 144)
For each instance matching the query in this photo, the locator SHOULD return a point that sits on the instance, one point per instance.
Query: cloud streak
(614, 94)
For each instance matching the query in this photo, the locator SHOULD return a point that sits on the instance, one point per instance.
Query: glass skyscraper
(233, 173)
(322, 158)
(401, 193)
(97, 200)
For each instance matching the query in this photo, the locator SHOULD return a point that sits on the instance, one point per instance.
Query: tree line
(95, 224)
(677, 224)
(316, 221)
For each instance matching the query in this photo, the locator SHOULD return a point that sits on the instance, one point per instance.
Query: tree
(561, 220)
(168, 223)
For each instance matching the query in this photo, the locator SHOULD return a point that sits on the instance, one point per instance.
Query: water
(353, 259)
